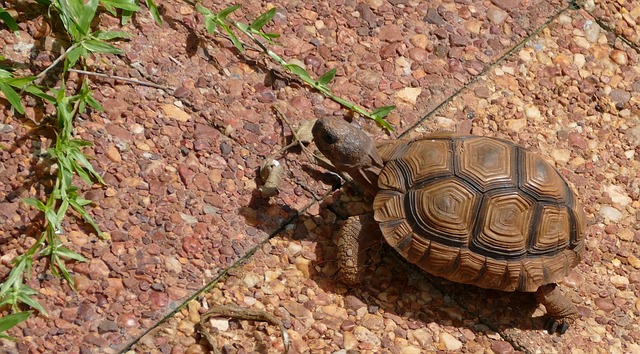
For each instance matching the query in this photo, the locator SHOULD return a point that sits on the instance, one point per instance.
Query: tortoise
(470, 209)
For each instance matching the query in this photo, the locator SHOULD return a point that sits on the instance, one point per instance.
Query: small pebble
(410, 349)
(610, 213)
(449, 342)
(496, 15)
(619, 281)
(605, 304)
(619, 57)
(197, 349)
(502, 347)
(634, 261)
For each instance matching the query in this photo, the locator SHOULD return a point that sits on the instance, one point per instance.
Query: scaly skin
(560, 310)
(350, 150)
(356, 235)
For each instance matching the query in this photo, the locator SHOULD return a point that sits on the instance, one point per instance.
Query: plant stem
(313, 83)
(124, 79)
(55, 62)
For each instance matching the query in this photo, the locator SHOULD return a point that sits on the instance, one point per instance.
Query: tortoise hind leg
(560, 310)
(358, 233)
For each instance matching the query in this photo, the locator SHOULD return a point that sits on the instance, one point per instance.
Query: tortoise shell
(479, 211)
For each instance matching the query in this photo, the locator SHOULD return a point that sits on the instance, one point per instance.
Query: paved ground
(182, 209)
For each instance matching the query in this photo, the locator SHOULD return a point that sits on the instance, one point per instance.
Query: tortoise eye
(329, 138)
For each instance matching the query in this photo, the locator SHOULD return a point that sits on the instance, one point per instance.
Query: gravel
(181, 205)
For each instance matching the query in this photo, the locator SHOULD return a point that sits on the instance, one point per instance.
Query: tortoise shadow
(399, 289)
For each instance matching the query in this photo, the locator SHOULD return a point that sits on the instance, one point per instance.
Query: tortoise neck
(366, 175)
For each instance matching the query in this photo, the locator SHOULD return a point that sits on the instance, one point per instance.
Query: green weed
(66, 154)
(215, 20)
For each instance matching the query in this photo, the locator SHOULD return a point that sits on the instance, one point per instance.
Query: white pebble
(561, 156)
(610, 213)
(446, 123)
(250, 280)
(591, 31)
(619, 281)
(579, 60)
(450, 342)
(618, 195)
(220, 324)
(532, 112)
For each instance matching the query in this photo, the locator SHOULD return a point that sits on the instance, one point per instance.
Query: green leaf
(62, 209)
(26, 299)
(87, 98)
(10, 321)
(327, 77)
(298, 71)
(8, 300)
(153, 8)
(4, 336)
(12, 96)
(224, 13)
(20, 82)
(270, 36)
(36, 91)
(78, 155)
(25, 83)
(15, 275)
(263, 19)
(242, 26)
(210, 24)
(81, 173)
(93, 103)
(65, 273)
(80, 209)
(35, 203)
(122, 4)
(69, 254)
(108, 35)
(203, 10)
(79, 143)
(9, 21)
(111, 10)
(97, 46)
(234, 39)
(125, 17)
(73, 55)
(82, 202)
(4, 74)
(383, 111)
(77, 15)
(52, 218)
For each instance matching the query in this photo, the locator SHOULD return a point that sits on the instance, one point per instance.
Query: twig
(176, 61)
(240, 313)
(125, 79)
(297, 141)
(55, 62)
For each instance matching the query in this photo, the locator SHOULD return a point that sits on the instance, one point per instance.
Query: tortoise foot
(556, 325)
(560, 311)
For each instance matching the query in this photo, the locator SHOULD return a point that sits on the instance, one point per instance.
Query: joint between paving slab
(572, 6)
(607, 28)
(239, 262)
(473, 80)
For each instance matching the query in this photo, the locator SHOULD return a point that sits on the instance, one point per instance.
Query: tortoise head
(350, 150)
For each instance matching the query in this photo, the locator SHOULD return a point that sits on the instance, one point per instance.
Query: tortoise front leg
(560, 310)
(358, 233)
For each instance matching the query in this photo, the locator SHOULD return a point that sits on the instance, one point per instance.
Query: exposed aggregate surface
(181, 204)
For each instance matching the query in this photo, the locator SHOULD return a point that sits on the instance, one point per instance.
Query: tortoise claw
(554, 325)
